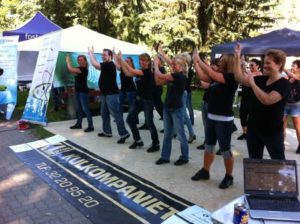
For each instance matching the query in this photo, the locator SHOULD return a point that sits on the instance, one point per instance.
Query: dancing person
(214, 64)
(220, 115)
(144, 101)
(81, 92)
(187, 121)
(173, 109)
(128, 89)
(268, 98)
(255, 70)
(110, 101)
(292, 108)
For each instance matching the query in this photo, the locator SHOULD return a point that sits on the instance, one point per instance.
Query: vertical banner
(38, 98)
(8, 81)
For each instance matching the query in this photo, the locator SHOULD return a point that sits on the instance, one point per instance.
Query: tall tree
(63, 13)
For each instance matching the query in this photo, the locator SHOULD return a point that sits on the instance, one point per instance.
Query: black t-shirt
(107, 82)
(268, 119)
(145, 84)
(221, 96)
(158, 88)
(127, 84)
(175, 90)
(81, 81)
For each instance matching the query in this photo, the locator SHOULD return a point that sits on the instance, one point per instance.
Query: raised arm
(164, 56)
(160, 78)
(116, 60)
(94, 61)
(263, 97)
(199, 72)
(71, 69)
(131, 71)
(239, 75)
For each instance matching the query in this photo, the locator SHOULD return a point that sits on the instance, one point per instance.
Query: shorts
(292, 110)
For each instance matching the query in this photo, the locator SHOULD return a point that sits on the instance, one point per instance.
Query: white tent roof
(78, 38)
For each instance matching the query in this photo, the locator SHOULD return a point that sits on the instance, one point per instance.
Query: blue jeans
(257, 141)
(173, 121)
(131, 96)
(147, 107)
(110, 104)
(218, 130)
(189, 106)
(82, 107)
(187, 120)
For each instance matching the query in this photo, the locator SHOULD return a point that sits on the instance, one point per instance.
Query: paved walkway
(172, 178)
(24, 197)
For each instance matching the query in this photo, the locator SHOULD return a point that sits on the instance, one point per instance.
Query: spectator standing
(292, 107)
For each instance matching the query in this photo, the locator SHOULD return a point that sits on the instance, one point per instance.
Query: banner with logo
(38, 98)
(103, 191)
(8, 80)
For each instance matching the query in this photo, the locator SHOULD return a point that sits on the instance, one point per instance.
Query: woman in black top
(220, 115)
(81, 92)
(268, 98)
(144, 100)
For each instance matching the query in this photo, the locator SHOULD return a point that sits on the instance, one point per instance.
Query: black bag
(294, 96)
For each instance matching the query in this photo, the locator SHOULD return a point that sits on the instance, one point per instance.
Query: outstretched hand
(91, 49)
(238, 49)
(67, 58)
(195, 55)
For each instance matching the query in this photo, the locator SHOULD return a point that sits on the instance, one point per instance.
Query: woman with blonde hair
(173, 109)
(220, 115)
(144, 100)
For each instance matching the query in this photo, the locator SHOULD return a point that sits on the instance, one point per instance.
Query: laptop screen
(271, 177)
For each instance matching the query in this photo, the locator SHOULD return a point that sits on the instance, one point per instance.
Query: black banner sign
(101, 190)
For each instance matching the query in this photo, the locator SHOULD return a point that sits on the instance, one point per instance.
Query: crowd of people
(265, 102)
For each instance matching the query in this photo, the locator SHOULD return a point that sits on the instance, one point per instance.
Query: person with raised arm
(220, 115)
(144, 100)
(81, 91)
(110, 102)
(268, 98)
(173, 109)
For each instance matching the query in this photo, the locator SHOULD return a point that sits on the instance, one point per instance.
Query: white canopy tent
(78, 38)
(73, 39)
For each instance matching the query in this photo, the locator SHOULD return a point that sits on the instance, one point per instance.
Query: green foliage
(15, 12)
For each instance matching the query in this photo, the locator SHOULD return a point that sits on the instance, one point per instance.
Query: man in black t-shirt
(110, 103)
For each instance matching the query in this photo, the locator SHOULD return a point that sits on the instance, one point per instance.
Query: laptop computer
(271, 189)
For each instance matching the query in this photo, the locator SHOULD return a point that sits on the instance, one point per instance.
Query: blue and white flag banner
(38, 98)
(8, 81)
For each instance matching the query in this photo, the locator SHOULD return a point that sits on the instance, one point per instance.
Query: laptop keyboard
(274, 204)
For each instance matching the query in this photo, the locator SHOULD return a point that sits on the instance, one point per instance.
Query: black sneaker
(153, 148)
(76, 126)
(201, 147)
(136, 145)
(298, 150)
(191, 139)
(88, 129)
(123, 139)
(201, 175)
(162, 131)
(180, 162)
(143, 127)
(104, 135)
(242, 137)
(226, 182)
(161, 161)
(219, 152)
